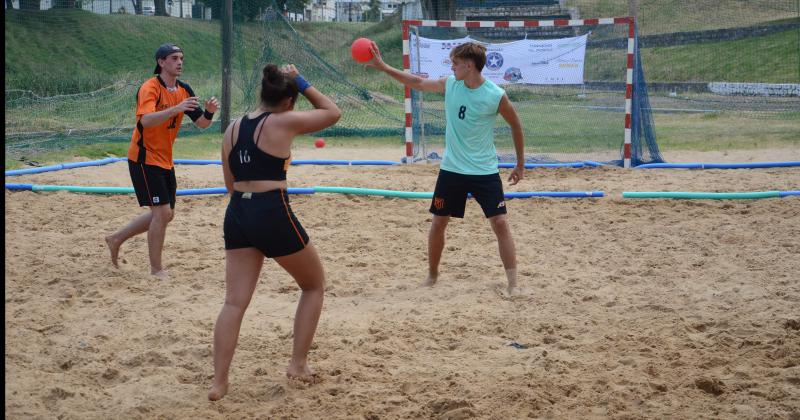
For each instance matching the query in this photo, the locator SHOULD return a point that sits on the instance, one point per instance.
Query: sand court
(631, 308)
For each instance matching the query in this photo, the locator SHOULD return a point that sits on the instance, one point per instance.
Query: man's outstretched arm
(411, 80)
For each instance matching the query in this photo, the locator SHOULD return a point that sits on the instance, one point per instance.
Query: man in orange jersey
(161, 103)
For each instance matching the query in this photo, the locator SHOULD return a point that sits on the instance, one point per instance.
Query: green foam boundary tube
(369, 191)
(702, 195)
(94, 190)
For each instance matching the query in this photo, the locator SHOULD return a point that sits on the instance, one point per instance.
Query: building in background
(321, 11)
(350, 10)
(354, 10)
(177, 8)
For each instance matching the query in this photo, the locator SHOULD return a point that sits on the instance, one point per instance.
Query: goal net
(577, 86)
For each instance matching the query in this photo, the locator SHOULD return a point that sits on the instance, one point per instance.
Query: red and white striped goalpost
(520, 24)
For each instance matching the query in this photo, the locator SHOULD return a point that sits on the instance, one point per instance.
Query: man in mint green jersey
(470, 162)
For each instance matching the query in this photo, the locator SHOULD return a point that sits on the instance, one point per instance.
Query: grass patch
(726, 131)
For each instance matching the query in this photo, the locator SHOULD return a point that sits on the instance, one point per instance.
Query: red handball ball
(360, 50)
(318, 143)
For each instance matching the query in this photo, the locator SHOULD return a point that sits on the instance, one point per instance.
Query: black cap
(164, 51)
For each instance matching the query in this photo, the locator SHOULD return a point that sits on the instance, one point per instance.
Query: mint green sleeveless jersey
(469, 138)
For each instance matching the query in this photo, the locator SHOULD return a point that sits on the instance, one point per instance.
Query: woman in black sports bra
(259, 221)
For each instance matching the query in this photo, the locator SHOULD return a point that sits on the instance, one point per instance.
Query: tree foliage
(373, 14)
(161, 8)
(439, 9)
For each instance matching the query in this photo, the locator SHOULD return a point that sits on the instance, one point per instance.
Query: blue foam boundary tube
(27, 171)
(788, 193)
(202, 191)
(19, 187)
(100, 162)
(71, 165)
(745, 165)
(343, 162)
(543, 165)
(561, 194)
(129, 190)
(702, 195)
(197, 162)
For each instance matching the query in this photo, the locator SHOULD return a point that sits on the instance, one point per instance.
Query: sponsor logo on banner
(494, 60)
(512, 75)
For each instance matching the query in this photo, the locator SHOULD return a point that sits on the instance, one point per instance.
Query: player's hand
(516, 175)
(212, 105)
(290, 71)
(188, 104)
(377, 61)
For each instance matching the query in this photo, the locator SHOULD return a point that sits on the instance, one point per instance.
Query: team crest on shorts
(438, 203)
(156, 200)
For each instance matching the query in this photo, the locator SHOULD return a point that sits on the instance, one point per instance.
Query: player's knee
(499, 224)
(315, 284)
(163, 214)
(238, 305)
(439, 224)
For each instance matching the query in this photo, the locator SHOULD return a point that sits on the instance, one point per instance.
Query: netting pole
(407, 98)
(422, 146)
(626, 154)
(227, 49)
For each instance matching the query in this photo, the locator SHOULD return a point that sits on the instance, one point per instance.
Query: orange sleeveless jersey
(153, 145)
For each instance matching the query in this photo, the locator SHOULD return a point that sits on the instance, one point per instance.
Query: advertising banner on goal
(539, 62)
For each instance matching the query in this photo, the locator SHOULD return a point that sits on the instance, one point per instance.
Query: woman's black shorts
(264, 221)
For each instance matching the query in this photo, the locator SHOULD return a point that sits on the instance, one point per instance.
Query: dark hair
(471, 51)
(275, 86)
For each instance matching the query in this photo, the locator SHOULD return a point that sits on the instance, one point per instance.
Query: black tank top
(248, 162)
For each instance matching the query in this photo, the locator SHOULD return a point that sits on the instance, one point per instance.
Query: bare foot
(430, 281)
(113, 246)
(162, 274)
(513, 291)
(303, 374)
(217, 391)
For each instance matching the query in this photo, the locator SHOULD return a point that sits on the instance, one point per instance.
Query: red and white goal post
(629, 77)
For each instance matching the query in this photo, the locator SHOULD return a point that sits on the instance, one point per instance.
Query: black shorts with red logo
(154, 185)
(450, 195)
(264, 221)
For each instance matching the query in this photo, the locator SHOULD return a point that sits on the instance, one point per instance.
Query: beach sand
(630, 308)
